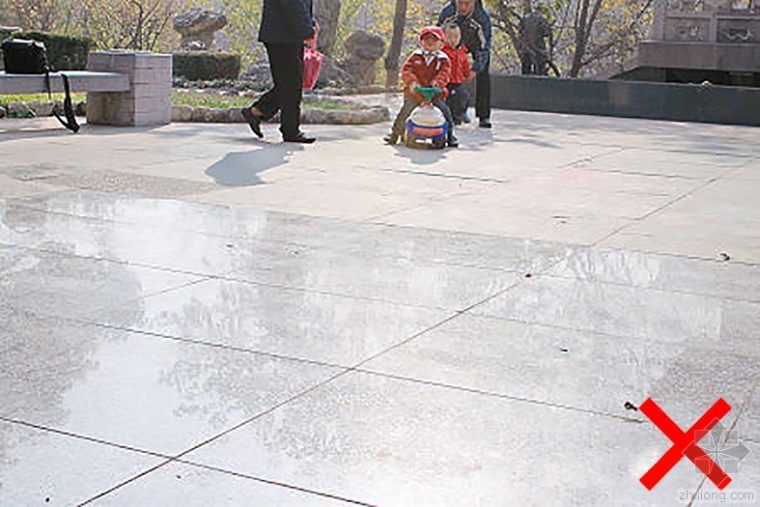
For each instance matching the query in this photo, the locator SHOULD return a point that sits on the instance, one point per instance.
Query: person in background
(285, 27)
(475, 24)
(459, 97)
(427, 66)
(534, 56)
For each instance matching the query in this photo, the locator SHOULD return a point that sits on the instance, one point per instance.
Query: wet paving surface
(189, 316)
(156, 352)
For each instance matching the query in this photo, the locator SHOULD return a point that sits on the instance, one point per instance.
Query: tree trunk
(327, 13)
(394, 51)
(585, 16)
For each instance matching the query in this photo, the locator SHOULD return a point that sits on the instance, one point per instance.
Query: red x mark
(685, 443)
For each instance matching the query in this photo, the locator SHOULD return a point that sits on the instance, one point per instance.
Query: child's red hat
(435, 31)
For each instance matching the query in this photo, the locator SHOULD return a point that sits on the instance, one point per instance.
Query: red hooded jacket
(426, 70)
(460, 65)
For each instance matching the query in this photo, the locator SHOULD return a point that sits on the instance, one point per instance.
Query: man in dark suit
(286, 25)
(475, 25)
(534, 28)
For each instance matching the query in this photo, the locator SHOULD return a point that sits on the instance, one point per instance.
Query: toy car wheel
(439, 144)
(409, 141)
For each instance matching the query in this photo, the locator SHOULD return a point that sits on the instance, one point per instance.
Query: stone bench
(124, 88)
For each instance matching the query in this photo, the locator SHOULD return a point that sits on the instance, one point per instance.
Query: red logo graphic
(685, 444)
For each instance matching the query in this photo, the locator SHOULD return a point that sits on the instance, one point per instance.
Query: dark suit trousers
(458, 100)
(286, 64)
(483, 94)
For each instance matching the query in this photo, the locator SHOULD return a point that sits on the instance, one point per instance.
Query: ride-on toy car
(426, 127)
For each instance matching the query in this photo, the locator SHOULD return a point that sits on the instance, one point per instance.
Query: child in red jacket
(430, 67)
(458, 98)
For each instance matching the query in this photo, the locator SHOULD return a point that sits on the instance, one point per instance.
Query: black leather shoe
(485, 123)
(253, 121)
(299, 138)
(453, 142)
(391, 138)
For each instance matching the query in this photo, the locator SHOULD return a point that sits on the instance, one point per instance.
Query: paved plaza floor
(193, 317)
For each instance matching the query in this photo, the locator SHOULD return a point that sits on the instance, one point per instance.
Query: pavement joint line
(755, 390)
(592, 158)
(595, 332)
(231, 276)
(301, 245)
(665, 149)
(169, 289)
(272, 482)
(677, 256)
(204, 233)
(743, 408)
(641, 173)
(439, 324)
(330, 293)
(732, 299)
(405, 170)
(111, 260)
(377, 219)
(202, 279)
(304, 245)
(95, 323)
(78, 436)
(198, 341)
(216, 437)
(578, 330)
(217, 345)
(519, 281)
(227, 278)
(636, 221)
(510, 397)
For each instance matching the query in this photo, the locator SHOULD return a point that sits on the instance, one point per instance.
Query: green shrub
(64, 52)
(206, 65)
(6, 32)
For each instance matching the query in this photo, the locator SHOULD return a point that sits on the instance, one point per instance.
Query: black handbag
(30, 57)
(24, 57)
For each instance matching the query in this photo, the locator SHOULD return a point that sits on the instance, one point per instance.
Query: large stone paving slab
(135, 390)
(40, 467)
(630, 312)
(581, 370)
(719, 277)
(293, 323)
(76, 286)
(393, 442)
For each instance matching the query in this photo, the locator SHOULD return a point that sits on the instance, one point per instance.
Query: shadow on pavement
(241, 168)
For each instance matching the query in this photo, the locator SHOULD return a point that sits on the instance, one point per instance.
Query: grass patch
(216, 100)
(28, 98)
(179, 98)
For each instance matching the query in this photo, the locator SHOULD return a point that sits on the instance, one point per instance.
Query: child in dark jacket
(459, 98)
(427, 66)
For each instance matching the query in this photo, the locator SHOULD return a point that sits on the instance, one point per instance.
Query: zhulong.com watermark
(729, 497)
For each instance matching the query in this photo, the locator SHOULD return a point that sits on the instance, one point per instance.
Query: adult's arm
(482, 55)
(465, 65)
(448, 11)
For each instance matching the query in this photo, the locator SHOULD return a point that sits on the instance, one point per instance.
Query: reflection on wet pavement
(190, 350)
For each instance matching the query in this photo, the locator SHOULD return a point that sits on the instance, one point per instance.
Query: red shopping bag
(312, 62)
